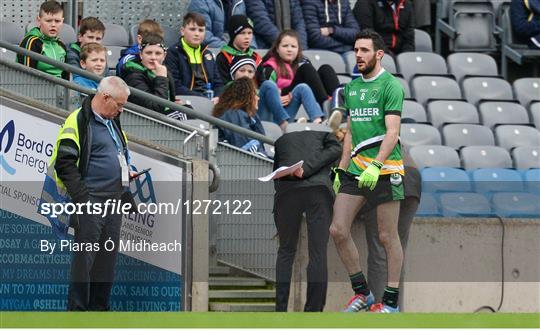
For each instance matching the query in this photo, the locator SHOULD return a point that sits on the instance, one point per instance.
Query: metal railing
(136, 92)
(253, 249)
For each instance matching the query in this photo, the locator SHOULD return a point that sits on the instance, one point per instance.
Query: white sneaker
(335, 120)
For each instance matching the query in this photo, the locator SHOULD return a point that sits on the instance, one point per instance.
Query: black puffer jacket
(137, 76)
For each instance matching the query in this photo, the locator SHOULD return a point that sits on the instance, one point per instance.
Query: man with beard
(370, 170)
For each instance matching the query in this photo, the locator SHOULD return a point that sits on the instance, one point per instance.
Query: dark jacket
(216, 18)
(51, 47)
(126, 55)
(69, 154)
(242, 119)
(379, 16)
(263, 15)
(344, 25)
(525, 21)
(319, 150)
(139, 77)
(73, 56)
(178, 64)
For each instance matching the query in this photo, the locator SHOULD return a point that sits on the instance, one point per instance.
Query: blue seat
(440, 179)
(532, 180)
(465, 204)
(516, 204)
(489, 180)
(428, 206)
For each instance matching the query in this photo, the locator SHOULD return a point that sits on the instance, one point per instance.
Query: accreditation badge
(124, 168)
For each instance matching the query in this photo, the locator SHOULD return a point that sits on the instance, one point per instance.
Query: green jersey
(368, 102)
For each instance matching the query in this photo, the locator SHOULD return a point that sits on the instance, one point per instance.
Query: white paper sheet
(282, 172)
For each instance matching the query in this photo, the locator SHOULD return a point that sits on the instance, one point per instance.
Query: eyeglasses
(118, 105)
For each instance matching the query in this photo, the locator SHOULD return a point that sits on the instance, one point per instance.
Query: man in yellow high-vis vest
(91, 164)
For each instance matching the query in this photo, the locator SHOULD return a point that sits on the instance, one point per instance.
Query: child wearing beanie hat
(241, 33)
(242, 66)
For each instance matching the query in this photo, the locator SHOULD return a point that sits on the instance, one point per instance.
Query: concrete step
(219, 270)
(241, 294)
(242, 307)
(236, 281)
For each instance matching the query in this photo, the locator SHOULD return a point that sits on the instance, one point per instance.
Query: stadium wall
(451, 265)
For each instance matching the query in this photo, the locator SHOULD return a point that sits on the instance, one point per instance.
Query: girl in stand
(238, 105)
(287, 80)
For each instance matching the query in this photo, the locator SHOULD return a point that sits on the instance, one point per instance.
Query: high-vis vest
(54, 191)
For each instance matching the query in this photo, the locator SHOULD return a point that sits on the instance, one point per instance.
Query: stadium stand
(428, 207)
(478, 89)
(422, 41)
(406, 88)
(435, 156)
(527, 90)
(344, 79)
(489, 180)
(526, 157)
(510, 49)
(494, 113)
(465, 204)
(411, 64)
(115, 35)
(535, 114)
(510, 136)
(427, 88)
(532, 180)
(293, 127)
(11, 32)
(497, 4)
(113, 55)
(439, 179)
(516, 204)
(389, 64)
(414, 110)
(272, 130)
(319, 57)
(6, 54)
(171, 35)
(460, 135)
(419, 134)
(443, 112)
(198, 124)
(201, 104)
(457, 20)
(462, 65)
(350, 61)
(301, 113)
(473, 157)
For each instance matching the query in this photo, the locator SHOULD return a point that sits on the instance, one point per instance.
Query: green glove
(370, 176)
(337, 181)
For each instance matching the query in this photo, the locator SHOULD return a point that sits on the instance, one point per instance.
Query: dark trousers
(377, 268)
(323, 82)
(92, 272)
(316, 202)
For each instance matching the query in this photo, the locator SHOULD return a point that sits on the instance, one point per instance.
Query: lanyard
(109, 125)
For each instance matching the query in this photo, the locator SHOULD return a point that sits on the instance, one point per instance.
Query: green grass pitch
(264, 320)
